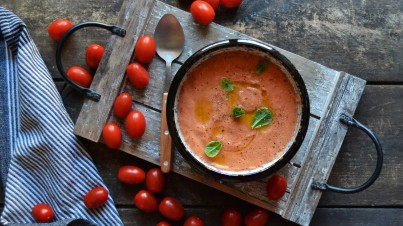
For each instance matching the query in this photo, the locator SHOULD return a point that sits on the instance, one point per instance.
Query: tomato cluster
(203, 11)
(135, 122)
(145, 199)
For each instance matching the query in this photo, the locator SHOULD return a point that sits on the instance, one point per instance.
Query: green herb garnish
(237, 112)
(261, 67)
(262, 117)
(213, 148)
(227, 85)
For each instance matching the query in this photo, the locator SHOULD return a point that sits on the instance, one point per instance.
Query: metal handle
(87, 92)
(352, 122)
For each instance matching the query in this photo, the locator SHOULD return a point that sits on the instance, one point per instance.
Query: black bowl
(293, 76)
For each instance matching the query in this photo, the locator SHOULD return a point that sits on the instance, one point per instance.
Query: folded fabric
(41, 159)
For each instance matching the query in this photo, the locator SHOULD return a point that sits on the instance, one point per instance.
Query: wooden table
(362, 38)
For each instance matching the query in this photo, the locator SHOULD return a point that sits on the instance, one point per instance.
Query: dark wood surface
(362, 38)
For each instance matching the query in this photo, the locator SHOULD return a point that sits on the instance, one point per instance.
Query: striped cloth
(41, 160)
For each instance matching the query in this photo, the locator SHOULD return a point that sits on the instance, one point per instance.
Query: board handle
(87, 92)
(350, 121)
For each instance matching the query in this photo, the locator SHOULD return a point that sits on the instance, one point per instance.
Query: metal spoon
(170, 39)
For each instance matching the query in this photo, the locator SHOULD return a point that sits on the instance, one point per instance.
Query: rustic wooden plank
(109, 76)
(324, 149)
(323, 216)
(357, 216)
(319, 79)
(210, 217)
(380, 109)
(362, 38)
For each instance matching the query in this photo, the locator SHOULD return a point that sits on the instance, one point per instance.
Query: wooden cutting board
(331, 93)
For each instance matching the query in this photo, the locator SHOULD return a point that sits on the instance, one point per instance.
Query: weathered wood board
(331, 93)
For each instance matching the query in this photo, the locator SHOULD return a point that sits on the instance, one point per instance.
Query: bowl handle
(352, 122)
(87, 92)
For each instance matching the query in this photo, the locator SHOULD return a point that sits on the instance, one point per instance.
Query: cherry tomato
(193, 221)
(231, 217)
(112, 135)
(163, 223)
(135, 124)
(94, 55)
(123, 105)
(155, 180)
(145, 49)
(95, 198)
(202, 12)
(214, 3)
(229, 4)
(276, 187)
(131, 175)
(80, 76)
(146, 201)
(257, 217)
(57, 29)
(42, 213)
(172, 209)
(138, 76)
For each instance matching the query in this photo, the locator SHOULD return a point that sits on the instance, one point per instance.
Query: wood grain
(362, 38)
(165, 139)
(109, 76)
(325, 147)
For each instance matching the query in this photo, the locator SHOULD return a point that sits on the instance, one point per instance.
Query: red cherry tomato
(138, 76)
(95, 198)
(57, 29)
(229, 4)
(231, 217)
(257, 217)
(123, 105)
(42, 213)
(214, 3)
(276, 187)
(80, 76)
(112, 135)
(131, 175)
(146, 201)
(163, 223)
(145, 49)
(135, 124)
(94, 55)
(172, 209)
(202, 12)
(155, 180)
(193, 221)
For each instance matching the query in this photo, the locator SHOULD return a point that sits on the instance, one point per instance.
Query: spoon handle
(165, 140)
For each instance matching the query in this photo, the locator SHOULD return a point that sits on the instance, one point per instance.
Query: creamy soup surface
(204, 110)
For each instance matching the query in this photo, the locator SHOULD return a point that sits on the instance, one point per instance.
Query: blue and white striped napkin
(41, 159)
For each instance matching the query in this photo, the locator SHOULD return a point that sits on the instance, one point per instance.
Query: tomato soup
(220, 101)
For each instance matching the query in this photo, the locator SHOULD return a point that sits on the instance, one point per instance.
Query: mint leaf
(261, 67)
(213, 148)
(227, 85)
(237, 112)
(262, 117)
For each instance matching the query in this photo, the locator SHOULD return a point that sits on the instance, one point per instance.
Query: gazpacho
(237, 111)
